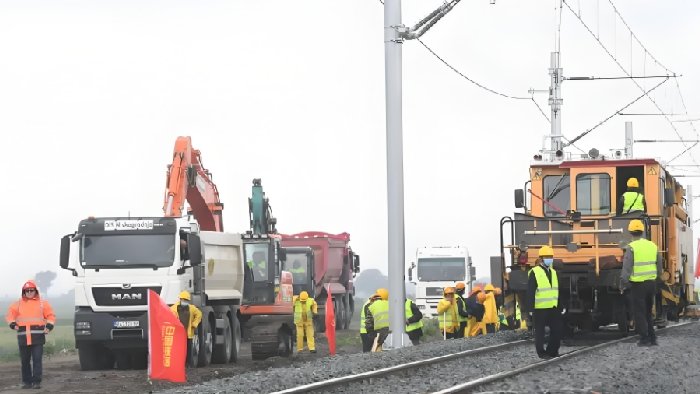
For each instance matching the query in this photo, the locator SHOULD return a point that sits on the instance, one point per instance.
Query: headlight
(82, 325)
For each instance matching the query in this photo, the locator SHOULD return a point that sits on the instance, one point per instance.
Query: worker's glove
(13, 326)
(49, 326)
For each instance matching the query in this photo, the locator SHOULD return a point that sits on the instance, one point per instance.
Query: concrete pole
(394, 170)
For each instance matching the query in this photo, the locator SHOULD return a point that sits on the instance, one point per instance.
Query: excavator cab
(300, 263)
(262, 269)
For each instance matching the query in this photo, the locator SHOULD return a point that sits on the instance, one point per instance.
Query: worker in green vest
(632, 200)
(462, 312)
(366, 335)
(641, 268)
(414, 322)
(545, 308)
(377, 319)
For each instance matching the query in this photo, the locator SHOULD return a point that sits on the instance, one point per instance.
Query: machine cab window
(557, 195)
(258, 262)
(593, 194)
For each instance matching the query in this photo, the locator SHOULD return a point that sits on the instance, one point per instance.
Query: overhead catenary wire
(617, 62)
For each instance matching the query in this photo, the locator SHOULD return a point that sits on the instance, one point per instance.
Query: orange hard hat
(475, 290)
(460, 286)
(449, 290)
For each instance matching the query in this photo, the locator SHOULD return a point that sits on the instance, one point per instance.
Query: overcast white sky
(94, 93)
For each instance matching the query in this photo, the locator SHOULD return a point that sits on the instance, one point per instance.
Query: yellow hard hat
(449, 290)
(489, 287)
(303, 296)
(185, 295)
(632, 182)
(383, 293)
(546, 251)
(460, 286)
(636, 225)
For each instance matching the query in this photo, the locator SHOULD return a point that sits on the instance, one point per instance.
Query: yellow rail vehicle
(573, 206)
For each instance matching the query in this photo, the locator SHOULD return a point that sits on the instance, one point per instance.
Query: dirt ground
(62, 372)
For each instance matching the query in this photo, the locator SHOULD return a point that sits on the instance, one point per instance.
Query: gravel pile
(670, 367)
(300, 373)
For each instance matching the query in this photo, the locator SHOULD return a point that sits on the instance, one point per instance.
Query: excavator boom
(188, 180)
(261, 220)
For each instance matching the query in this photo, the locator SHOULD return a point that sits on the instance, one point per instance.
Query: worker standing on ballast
(476, 313)
(414, 321)
(377, 319)
(641, 269)
(305, 309)
(488, 298)
(462, 312)
(447, 314)
(190, 316)
(543, 295)
(367, 334)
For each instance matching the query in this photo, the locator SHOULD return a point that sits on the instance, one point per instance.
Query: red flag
(167, 342)
(330, 322)
(697, 262)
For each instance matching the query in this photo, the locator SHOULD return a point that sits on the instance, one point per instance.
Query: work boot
(313, 351)
(36, 386)
(26, 385)
(653, 342)
(644, 343)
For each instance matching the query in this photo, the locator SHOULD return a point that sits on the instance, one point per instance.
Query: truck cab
(434, 269)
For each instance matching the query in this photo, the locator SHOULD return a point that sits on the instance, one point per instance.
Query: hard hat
(546, 251)
(383, 293)
(449, 290)
(636, 225)
(303, 296)
(475, 290)
(632, 182)
(185, 295)
(460, 286)
(489, 287)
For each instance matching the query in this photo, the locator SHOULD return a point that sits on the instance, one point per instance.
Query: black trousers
(643, 294)
(367, 341)
(462, 328)
(547, 318)
(188, 354)
(415, 335)
(490, 328)
(29, 355)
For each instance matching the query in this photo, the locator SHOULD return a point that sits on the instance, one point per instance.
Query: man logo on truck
(133, 296)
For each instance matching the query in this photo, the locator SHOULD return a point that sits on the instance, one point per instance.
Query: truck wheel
(348, 311)
(222, 352)
(206, 340)
(236, 338)
(88, 356)
(284, 338)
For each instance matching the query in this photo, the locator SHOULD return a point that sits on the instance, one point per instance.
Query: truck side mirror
(519, 197)
(65, 251)
(669, 197)
(410, 274)
(357, 263)
(282, 253)
(194, 247)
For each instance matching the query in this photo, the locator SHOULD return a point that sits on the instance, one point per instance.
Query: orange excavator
(187, 179)
(266, 312)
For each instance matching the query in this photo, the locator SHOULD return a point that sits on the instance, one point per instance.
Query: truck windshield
(442, 269)
(257, 261)
(298, 265)
(122, 251)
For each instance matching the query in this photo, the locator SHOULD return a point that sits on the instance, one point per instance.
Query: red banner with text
(167, 342)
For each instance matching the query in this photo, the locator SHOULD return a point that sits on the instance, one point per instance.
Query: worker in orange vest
(32, 318)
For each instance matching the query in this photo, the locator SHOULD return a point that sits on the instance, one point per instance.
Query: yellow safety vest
(301, 308)
(380, 314)
(461, 300)
(409, 314)
(633, 202)
(363, 327)
(645, 253)
(448, 318)
(547, 294)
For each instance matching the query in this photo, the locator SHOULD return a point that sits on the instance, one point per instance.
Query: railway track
(459, 372)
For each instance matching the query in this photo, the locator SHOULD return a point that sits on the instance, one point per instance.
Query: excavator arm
(187, 180)
(261, 220)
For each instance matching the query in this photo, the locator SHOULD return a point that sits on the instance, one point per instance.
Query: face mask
(548, 261)
(183, 302)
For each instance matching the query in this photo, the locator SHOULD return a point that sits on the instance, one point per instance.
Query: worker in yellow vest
(462, 312)
(447, 314)
(377, 319)
(488, 299)
(304, 310)
(543, 295)
(641, 268)
(632, 200)
(366, 335)
(414, 322)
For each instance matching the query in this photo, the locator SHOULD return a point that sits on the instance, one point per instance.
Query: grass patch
(60, 339)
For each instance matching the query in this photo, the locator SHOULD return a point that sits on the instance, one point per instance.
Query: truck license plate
(126, 323)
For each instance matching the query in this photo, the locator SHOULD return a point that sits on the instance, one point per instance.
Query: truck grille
(433, 291)
(116, 296)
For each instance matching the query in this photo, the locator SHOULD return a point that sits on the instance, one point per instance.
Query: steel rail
(325, 384)
(506, 374)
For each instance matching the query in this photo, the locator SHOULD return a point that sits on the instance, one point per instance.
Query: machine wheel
(285, 342)
(222, 352)
(236, 338)
(95, 357)
(206, 340)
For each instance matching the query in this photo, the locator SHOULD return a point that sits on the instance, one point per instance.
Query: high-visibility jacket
(194, 319)
(547, 294)
(447, 315)
(303, 309)
(463, 304)
(363, 322)
(645, 253)
(32, 316)
(409, 314)
(488, 299)
(633, 202)
(379, 314)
